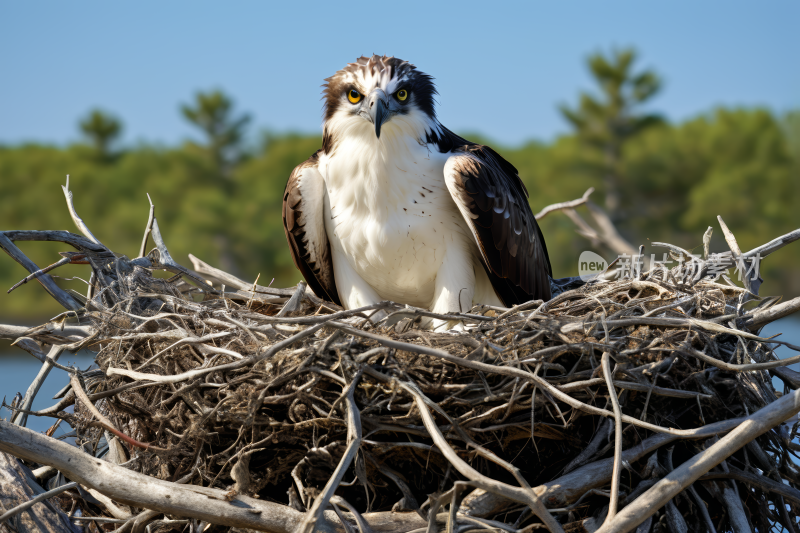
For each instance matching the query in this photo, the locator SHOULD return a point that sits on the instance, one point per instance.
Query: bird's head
(379, 93)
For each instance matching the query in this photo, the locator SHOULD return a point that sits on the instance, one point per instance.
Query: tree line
(221, 201)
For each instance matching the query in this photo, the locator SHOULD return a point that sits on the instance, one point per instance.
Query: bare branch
(564, 205)
(528, 497)
(614, 499)
(132, 488)
(776, 312)
(33, 389)
(687, 473)
(229, 280)
(315, 515)
(59, 294)
(148, 228)
(776, 244)
(81, 225)
(79, 243)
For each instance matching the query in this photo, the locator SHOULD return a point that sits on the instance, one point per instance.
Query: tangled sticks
(642, 402)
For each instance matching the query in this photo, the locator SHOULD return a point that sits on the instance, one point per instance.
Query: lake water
(18, 369)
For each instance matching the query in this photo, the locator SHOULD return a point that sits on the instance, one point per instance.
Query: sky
(501, 68)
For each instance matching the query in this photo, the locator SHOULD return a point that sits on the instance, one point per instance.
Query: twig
(59, 294)
(77, 241)
(205, 269)
(38, 273)
(77, 219)
(314, 515)
(687, 473)
(149, 228)
(776, 312)
(294, 302)
(772, 246)
(105, 422)
(747, 367)
(212, 505)
(192, 340)
(736, 253)
(762, 482)
(269, 352)
(255, 284)
(47, 365)
(613, 500)
(610, 235)
(513, 372)
(528, 497)
(564, 205)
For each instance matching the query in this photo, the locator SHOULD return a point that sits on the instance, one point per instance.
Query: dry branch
(212, 505)
(59, 294)
(687, 473)
(606, 236)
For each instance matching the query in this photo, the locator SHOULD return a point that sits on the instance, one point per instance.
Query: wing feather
(305, 228)
(494, 202)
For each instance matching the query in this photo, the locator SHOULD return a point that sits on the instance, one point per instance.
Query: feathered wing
(304, 226)
(494, 202)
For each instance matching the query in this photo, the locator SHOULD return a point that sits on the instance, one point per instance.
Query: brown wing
(494, 202)
(304, 225)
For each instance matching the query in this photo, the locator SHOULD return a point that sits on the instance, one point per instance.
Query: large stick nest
(273, 423)
(275, 394)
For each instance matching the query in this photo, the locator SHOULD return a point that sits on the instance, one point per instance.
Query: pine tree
(606, 123)
(213, 113)
(102, 130)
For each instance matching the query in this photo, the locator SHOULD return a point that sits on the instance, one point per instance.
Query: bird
(395, 206)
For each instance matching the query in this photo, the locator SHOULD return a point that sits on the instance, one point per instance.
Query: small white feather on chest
(390, 216)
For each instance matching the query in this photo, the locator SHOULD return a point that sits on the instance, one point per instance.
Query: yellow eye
(402, 94)
(354, 96)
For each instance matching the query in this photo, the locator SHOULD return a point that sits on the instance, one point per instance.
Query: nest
(551, 415)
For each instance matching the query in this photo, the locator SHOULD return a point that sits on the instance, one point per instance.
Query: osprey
(397, 207)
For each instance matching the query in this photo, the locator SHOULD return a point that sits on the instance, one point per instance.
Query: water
(18, 369)
(790, 327)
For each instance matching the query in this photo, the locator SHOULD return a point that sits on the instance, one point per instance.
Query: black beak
(379, 114)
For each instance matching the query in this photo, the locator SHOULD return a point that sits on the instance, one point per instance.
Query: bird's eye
(354, 96)
(402, 94)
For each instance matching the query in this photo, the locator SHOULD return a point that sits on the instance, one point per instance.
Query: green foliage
(607, 122)
(791, 126)
(101, 129)
(212, 112)
(256, 225)
(741, 164)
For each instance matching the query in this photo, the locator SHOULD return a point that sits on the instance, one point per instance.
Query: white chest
(390, 214)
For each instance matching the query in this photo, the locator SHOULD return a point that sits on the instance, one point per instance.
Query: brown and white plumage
(305, 231)
(395, 206)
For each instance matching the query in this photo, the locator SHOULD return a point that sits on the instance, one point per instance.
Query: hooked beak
(378, 110)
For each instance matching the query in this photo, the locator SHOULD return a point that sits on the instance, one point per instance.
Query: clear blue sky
(501, 68)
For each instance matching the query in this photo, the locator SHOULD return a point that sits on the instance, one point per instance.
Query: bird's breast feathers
(389, 213)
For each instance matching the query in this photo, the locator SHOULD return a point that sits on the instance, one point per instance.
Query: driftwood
(639, 403)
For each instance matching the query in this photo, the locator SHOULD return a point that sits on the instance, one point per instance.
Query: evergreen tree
(606, 123)
(101, 129)
(213, 113)
(791, 125)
